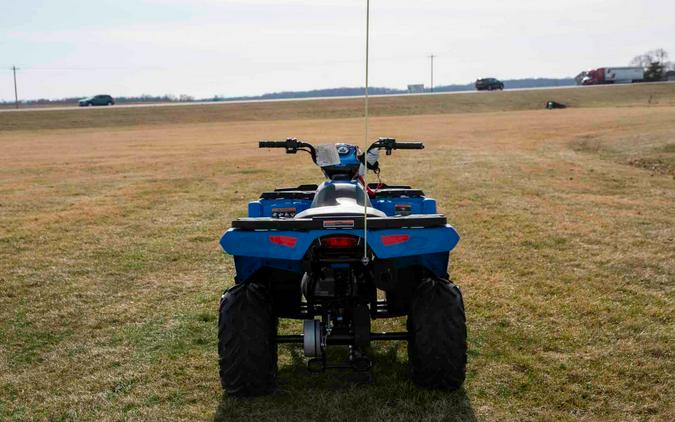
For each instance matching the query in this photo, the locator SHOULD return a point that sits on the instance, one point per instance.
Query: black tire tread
(247, 348)
(437, 328)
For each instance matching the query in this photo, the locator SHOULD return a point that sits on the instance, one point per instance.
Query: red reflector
(284, 240)
(394, 239)
(340, 242)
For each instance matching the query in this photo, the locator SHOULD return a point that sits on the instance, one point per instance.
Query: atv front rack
(343, 221)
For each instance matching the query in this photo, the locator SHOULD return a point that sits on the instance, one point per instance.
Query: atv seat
(342, 210)
(339, 199)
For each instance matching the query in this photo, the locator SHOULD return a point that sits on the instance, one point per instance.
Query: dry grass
(635, 95)
(110, 269)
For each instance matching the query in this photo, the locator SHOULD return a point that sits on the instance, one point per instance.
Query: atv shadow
(384, 393)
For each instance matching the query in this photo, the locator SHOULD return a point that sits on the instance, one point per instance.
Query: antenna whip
(365, 151)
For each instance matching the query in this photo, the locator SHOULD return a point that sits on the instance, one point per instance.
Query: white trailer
(618, 75)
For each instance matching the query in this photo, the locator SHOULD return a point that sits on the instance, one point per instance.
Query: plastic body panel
(266, 207)
(418, 205)
(254, 249)
(391, 200)
(428, 241)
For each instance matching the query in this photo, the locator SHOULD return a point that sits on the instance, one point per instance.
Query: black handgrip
(408, 145)
(272, 144)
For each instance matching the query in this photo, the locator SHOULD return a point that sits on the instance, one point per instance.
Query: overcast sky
(246, 47)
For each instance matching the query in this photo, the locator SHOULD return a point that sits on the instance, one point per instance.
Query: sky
(67, 48)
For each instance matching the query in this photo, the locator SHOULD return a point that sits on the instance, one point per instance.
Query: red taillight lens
(289, 241)
(394, 239)
(339, 242)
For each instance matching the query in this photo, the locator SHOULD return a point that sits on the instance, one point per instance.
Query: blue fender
(254, 249)
(258, 243)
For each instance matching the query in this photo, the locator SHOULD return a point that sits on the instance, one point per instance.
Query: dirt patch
(661, 165)
(587, 144)
(670, 148)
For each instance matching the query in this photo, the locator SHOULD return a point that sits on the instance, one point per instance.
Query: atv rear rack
(349, 221)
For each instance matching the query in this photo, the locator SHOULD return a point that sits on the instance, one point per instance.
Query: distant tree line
(347, 91)
(655, 63)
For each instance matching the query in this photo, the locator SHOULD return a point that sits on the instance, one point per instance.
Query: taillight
(339, 241)
(289, 241)
(394, 239)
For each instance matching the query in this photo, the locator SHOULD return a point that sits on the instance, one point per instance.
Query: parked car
(97, 100)
(489, 84)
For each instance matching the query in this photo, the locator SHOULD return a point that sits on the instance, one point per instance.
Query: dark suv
(97, 100)
(489, 84)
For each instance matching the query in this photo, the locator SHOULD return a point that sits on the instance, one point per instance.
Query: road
(186, 104)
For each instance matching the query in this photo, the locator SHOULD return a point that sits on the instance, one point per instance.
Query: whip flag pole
(365, 151)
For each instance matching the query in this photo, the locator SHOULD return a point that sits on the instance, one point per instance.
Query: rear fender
(285, 249)
(246, 266)
(292, 245)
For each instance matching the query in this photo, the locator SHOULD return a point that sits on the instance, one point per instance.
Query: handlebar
(389, 144)
(291, 145)
(409, 145)
(272, 144)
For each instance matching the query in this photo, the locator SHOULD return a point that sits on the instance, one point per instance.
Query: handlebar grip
(409, 145)
(272, 144)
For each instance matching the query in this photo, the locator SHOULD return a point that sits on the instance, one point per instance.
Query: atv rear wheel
(247, 347)
(437, 330)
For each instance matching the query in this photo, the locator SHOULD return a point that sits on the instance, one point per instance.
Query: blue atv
(337, 256)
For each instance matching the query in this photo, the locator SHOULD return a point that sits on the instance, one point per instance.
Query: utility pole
(16, 95)
(432, 72)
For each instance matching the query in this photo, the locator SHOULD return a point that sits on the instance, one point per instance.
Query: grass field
(649, 94)
(110, 269)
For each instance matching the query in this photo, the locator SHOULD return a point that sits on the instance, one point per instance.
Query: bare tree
(645, 60)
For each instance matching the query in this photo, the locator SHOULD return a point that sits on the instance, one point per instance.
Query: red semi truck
(612, 75)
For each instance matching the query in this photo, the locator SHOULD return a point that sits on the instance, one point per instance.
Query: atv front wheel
(437, 335)
(247, 347)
